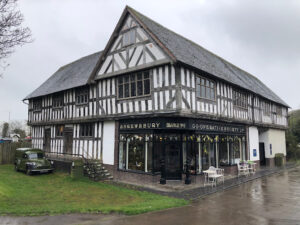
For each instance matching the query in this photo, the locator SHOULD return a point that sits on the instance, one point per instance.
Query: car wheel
(28, 171)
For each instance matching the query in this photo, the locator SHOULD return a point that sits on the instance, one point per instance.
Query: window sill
(201, 98)
(138, 172)
(81, 104)
(240, 107)
(135, 97)
(58, 108)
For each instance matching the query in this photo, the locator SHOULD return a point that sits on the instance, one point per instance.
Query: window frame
(129, 33)
(266, 108)
(57, 98)
(205, 87)
(278, 110)
(83, 92)
(148, 144)
(130, 82)
(37, 105)
(242, 101)
(83, 130)
(58, 132)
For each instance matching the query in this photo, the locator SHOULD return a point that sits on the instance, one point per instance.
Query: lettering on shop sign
(182, 124)
(217, 128)
(129, 126)
(176, 125)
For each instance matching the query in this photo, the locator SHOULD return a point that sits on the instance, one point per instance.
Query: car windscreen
(35, 155)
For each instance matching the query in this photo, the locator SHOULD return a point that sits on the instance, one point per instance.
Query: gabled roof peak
(192, 54)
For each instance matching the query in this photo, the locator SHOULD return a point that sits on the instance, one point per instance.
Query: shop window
(190, 152)
(134, 85)
(157, 152)
(235, 151)
(128, 38)
(37, 105)
(86, 130)
(60, 130)
(135, 152)
(82, 95)
(239, 99)
(58, 101)
(224, 152)
(205, 88)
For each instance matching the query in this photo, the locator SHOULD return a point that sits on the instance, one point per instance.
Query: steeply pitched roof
(192, 54)
(69, 76)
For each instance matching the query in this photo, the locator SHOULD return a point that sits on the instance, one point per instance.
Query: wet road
(266, 201)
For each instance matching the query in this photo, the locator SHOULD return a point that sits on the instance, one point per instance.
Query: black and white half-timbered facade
(153, 96)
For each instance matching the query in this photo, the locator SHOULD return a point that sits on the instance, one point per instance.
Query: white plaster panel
(108, 142)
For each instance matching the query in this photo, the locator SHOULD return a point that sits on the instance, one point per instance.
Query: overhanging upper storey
(131, 47)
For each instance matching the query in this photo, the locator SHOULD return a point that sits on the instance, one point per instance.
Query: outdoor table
(252, 167)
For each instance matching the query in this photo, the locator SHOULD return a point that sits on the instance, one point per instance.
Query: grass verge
(58, 193)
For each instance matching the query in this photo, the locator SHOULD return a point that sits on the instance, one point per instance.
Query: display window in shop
(143, 152)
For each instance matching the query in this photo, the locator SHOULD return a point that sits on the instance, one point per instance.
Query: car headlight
(31, 164)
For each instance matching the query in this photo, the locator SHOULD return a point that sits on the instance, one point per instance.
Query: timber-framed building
(154, 95)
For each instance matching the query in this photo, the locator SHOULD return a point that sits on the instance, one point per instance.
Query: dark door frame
(47, 140)
(262, 154)
(68, 131)
(179, 175)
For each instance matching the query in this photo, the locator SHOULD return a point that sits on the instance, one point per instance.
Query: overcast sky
(261, 37)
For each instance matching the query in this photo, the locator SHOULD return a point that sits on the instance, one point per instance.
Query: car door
(23, 160)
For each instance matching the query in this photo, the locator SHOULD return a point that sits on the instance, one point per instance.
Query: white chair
(213, 175)
(243, 169)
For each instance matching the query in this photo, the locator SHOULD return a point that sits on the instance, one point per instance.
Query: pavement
(270, 200)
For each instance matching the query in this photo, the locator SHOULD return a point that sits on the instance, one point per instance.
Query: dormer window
(129, 38)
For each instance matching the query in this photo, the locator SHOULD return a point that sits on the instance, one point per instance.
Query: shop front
(144, 145)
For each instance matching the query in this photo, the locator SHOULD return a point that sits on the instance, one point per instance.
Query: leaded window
(37, 105)
(205, 88)
(58, 101)
(82, 95)
(239, 99)
(266, 108)
(134, 85)
(86, 129)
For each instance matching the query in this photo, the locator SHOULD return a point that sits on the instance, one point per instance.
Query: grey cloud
(261, 37)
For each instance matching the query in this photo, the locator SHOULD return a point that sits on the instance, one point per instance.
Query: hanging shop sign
(181, 124)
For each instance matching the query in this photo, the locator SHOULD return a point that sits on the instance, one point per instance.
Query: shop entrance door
(173, 161)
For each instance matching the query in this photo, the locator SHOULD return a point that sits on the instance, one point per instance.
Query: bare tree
(12, 33)
(5, 129)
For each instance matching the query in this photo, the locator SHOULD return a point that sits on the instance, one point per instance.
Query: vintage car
(32, 160)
